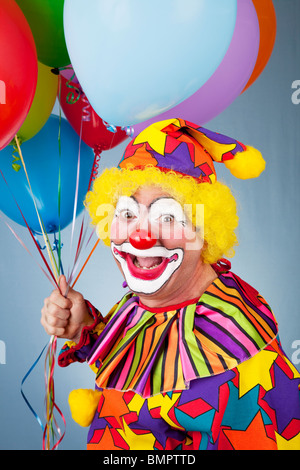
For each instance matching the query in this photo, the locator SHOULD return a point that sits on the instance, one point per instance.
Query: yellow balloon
(42, 105)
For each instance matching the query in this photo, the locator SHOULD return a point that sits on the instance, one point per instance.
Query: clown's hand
(65, 317)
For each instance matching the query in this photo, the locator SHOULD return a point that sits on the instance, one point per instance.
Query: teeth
(137, 264)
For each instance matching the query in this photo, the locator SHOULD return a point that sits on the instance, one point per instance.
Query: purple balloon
(228, 81)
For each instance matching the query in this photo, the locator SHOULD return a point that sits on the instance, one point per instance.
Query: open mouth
(145, 267)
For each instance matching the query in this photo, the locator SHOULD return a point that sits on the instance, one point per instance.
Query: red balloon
(18, 70)
(84, 120)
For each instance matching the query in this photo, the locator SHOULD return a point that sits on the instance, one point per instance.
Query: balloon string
(79, 248)
(75, 197)
(59, 114)
(79, 244)
(94, 172)
(31, 234)
(51, 429)
(96, 163)
(83, 230)
(50, 388)
(59, 183)
(47, 243)
(85, 263)
(25, 247)
(57, 245)
(22, 383)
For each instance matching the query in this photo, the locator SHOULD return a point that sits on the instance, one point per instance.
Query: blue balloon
(136, 58)
(43, 163)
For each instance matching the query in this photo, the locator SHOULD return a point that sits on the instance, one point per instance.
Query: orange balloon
(267, 25)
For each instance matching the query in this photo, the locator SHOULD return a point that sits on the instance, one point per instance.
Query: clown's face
(155, 245)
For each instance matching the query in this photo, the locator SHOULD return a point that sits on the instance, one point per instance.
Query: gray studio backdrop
(266, 116)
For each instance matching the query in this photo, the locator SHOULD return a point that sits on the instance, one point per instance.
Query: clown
(189, 358)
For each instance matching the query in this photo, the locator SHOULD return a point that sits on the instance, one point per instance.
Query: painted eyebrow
(154, 200)
(159, 199)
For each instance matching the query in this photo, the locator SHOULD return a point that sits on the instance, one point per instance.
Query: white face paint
(148, 271)
(163, 216)
(146, 279)
(126, 214)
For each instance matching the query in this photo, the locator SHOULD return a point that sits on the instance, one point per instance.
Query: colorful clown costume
(206, 374)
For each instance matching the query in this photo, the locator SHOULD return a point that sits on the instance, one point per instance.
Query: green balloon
(45, 18)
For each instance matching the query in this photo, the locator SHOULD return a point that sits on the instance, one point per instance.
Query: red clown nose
(142, 239)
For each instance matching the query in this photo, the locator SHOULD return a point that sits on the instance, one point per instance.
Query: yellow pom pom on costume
(247, 164)
(83, 404)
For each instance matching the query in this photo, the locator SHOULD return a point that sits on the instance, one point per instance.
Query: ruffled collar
(152, 352)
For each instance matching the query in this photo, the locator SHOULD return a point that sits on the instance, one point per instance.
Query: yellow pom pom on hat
(184, 147)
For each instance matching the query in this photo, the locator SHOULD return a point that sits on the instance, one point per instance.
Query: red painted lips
(147, 270)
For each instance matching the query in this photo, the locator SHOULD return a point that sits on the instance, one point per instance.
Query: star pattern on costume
(135, 160)
(109, 409)
(288, 444)
(254, 405)
(218, 150)
(251, 373)
(103, 442)
(254, 437)
(285, 388)
(208, 391)
(144, 425)
(154, 136)
(164, 404)
(143, 442)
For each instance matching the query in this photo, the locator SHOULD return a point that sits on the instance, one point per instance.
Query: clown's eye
(166, 218)
(127, 209)
(127, 214)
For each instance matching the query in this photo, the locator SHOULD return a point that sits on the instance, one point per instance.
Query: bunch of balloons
(33, 55)
(116, 67)
(138, 62)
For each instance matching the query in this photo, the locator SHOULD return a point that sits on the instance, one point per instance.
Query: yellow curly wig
(220, 213)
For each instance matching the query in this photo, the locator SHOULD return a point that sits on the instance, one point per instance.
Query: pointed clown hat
(188, 149)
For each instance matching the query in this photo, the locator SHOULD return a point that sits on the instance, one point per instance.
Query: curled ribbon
(72, 97)
(22, 383)
(110, 127)
(51, 429)
(96, 163)
(86, 114)
(129, 130)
